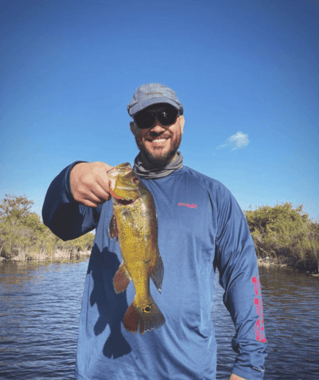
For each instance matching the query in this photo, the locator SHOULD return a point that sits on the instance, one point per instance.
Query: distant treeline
(280, 232)
(285, 234)
(24, 237)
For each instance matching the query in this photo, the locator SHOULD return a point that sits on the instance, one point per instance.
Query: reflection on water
(40, 306)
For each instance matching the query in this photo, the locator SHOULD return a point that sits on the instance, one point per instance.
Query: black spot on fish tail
(147, 308)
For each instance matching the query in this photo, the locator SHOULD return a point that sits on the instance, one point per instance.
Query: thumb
(104, 165)
(108, 167)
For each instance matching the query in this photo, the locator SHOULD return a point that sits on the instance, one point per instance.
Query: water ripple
(40, 306)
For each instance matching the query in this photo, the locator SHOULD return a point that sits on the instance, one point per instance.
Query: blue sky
(246, 72)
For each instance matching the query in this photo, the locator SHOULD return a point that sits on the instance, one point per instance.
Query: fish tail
(151, 317)
(147, 317)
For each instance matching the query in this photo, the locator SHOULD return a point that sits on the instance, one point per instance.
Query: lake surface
(40, 306)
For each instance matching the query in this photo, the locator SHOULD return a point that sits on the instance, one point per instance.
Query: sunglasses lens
(167, 117)
(146, 119)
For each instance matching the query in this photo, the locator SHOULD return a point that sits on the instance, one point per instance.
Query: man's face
(159, 143)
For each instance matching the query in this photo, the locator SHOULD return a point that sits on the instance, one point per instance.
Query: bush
(286, 234)
(24, 237)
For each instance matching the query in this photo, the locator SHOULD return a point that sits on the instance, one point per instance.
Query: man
(199, 223)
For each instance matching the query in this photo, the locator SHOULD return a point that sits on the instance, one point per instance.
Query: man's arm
(71, 206)
(237, 264)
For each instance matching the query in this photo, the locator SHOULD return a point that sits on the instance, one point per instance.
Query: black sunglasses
(146, 119)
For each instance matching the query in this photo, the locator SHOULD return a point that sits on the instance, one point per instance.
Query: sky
(246, 72)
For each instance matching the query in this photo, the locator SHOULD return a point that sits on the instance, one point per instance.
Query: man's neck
(151, 165)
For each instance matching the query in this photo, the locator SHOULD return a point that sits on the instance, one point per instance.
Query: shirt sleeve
(236, 261)
(65, 217)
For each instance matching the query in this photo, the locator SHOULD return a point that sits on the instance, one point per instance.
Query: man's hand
(90, 183)
(235, 377)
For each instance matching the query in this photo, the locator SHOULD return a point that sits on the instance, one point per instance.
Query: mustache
(155, 134)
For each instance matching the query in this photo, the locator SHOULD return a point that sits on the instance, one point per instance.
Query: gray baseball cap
(153, 93)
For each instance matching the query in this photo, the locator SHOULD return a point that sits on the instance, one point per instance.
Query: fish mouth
(124, 202)
(120, 200)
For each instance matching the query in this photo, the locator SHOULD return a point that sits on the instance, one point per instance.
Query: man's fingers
(95, 196)
(100, 193)
(93, 193)
(89, 183)
(89, 203)
(102, 180)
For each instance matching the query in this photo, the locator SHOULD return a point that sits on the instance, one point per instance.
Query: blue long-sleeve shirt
(200, 224)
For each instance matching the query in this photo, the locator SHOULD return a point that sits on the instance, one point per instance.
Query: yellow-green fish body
(135, 223)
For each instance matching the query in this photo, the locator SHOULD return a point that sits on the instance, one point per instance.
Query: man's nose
(157, 124)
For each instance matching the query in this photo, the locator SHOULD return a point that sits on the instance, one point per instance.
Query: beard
(157, 159)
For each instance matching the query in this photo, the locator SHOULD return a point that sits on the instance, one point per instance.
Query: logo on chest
(187, 205)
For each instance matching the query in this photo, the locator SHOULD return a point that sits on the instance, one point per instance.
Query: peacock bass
(134, 221)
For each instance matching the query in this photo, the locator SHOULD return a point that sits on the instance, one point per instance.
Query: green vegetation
(286, 235)
(280, 232)
(24, 237)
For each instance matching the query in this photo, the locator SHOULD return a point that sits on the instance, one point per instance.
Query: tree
(22, 232)
(282, 231)
(15, 209)
(14, 233)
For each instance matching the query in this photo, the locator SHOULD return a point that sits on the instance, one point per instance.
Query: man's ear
(132, 127)
(181, 123)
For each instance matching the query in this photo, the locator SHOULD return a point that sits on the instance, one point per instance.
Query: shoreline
(63, 257)
(268, 262)
(45, 258)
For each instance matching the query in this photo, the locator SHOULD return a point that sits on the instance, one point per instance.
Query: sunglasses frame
(155, 114)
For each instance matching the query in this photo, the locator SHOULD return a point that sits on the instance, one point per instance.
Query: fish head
(124, 184)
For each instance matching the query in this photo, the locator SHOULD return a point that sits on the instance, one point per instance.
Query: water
(40, 306)
(291, 305)
(39, 309)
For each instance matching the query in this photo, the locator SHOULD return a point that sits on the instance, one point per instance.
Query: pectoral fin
(113, 230)
(158, 273)
(121, 279)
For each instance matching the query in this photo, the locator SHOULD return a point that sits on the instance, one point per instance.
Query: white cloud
(236, 141)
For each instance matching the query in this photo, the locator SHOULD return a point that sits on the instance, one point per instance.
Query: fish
(134, 223)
